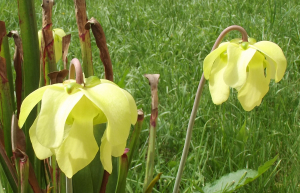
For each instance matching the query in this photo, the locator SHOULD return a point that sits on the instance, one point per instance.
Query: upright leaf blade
(153, 81)
(29, 35)
(18, 64)
(9, 170)
(6, 107)
(84, 37)
(4, 53)
(134, 141)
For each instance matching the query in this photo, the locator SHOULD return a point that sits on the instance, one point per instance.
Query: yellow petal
(114, 104)
(56, 106)
(118, 150)
(108, 81)
(80, 147)
(100, 118)
(275, 57)
(132, 107)
(30, 101)
(41, 152)
(218, 89)
(235, 74)
(256, 86)
(211, 57)
(105, 154)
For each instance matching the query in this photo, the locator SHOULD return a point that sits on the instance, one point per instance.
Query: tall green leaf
(6, 103)
(29, 35)
(4, 53)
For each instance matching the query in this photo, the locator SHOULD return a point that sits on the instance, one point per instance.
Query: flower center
(245, 45)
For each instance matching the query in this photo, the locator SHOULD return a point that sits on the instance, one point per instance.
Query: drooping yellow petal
(114, 104)
(211, 57)
(274, 55)
(235, 74)
(100, 118)
(30, 101)
(218, 89)
(41, 152)
(132, 107)
(105, 154)
(118, 150)
(56, 106)
(256, 86)
(80, 147)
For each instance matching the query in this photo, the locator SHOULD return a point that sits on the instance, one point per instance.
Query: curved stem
(75, 68)
(196, 104)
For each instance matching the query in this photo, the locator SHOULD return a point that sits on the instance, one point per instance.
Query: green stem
(54, 174)
(69, 186)
(196, 104)
(62, 182)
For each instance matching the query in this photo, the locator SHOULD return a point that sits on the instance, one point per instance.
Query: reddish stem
(75, 68)
(104, 181)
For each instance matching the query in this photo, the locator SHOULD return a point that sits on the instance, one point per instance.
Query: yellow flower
(247, 67)
(68, 112)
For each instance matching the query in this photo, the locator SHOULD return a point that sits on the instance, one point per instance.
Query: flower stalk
(196, 104)
(75, 69)
(104, 181)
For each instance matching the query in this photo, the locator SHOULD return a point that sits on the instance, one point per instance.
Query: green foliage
(235, 180)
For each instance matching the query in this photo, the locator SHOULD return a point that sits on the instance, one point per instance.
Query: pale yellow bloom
(248, 67)
(68, 112)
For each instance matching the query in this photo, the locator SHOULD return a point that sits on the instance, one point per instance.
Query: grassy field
(172, 38)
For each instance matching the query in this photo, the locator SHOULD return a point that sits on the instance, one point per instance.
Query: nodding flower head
(246, 66)
(64, 125)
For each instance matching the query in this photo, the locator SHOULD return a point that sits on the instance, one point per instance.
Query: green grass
(172, 38)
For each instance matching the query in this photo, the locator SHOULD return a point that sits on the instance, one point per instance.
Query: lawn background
(172, 38)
